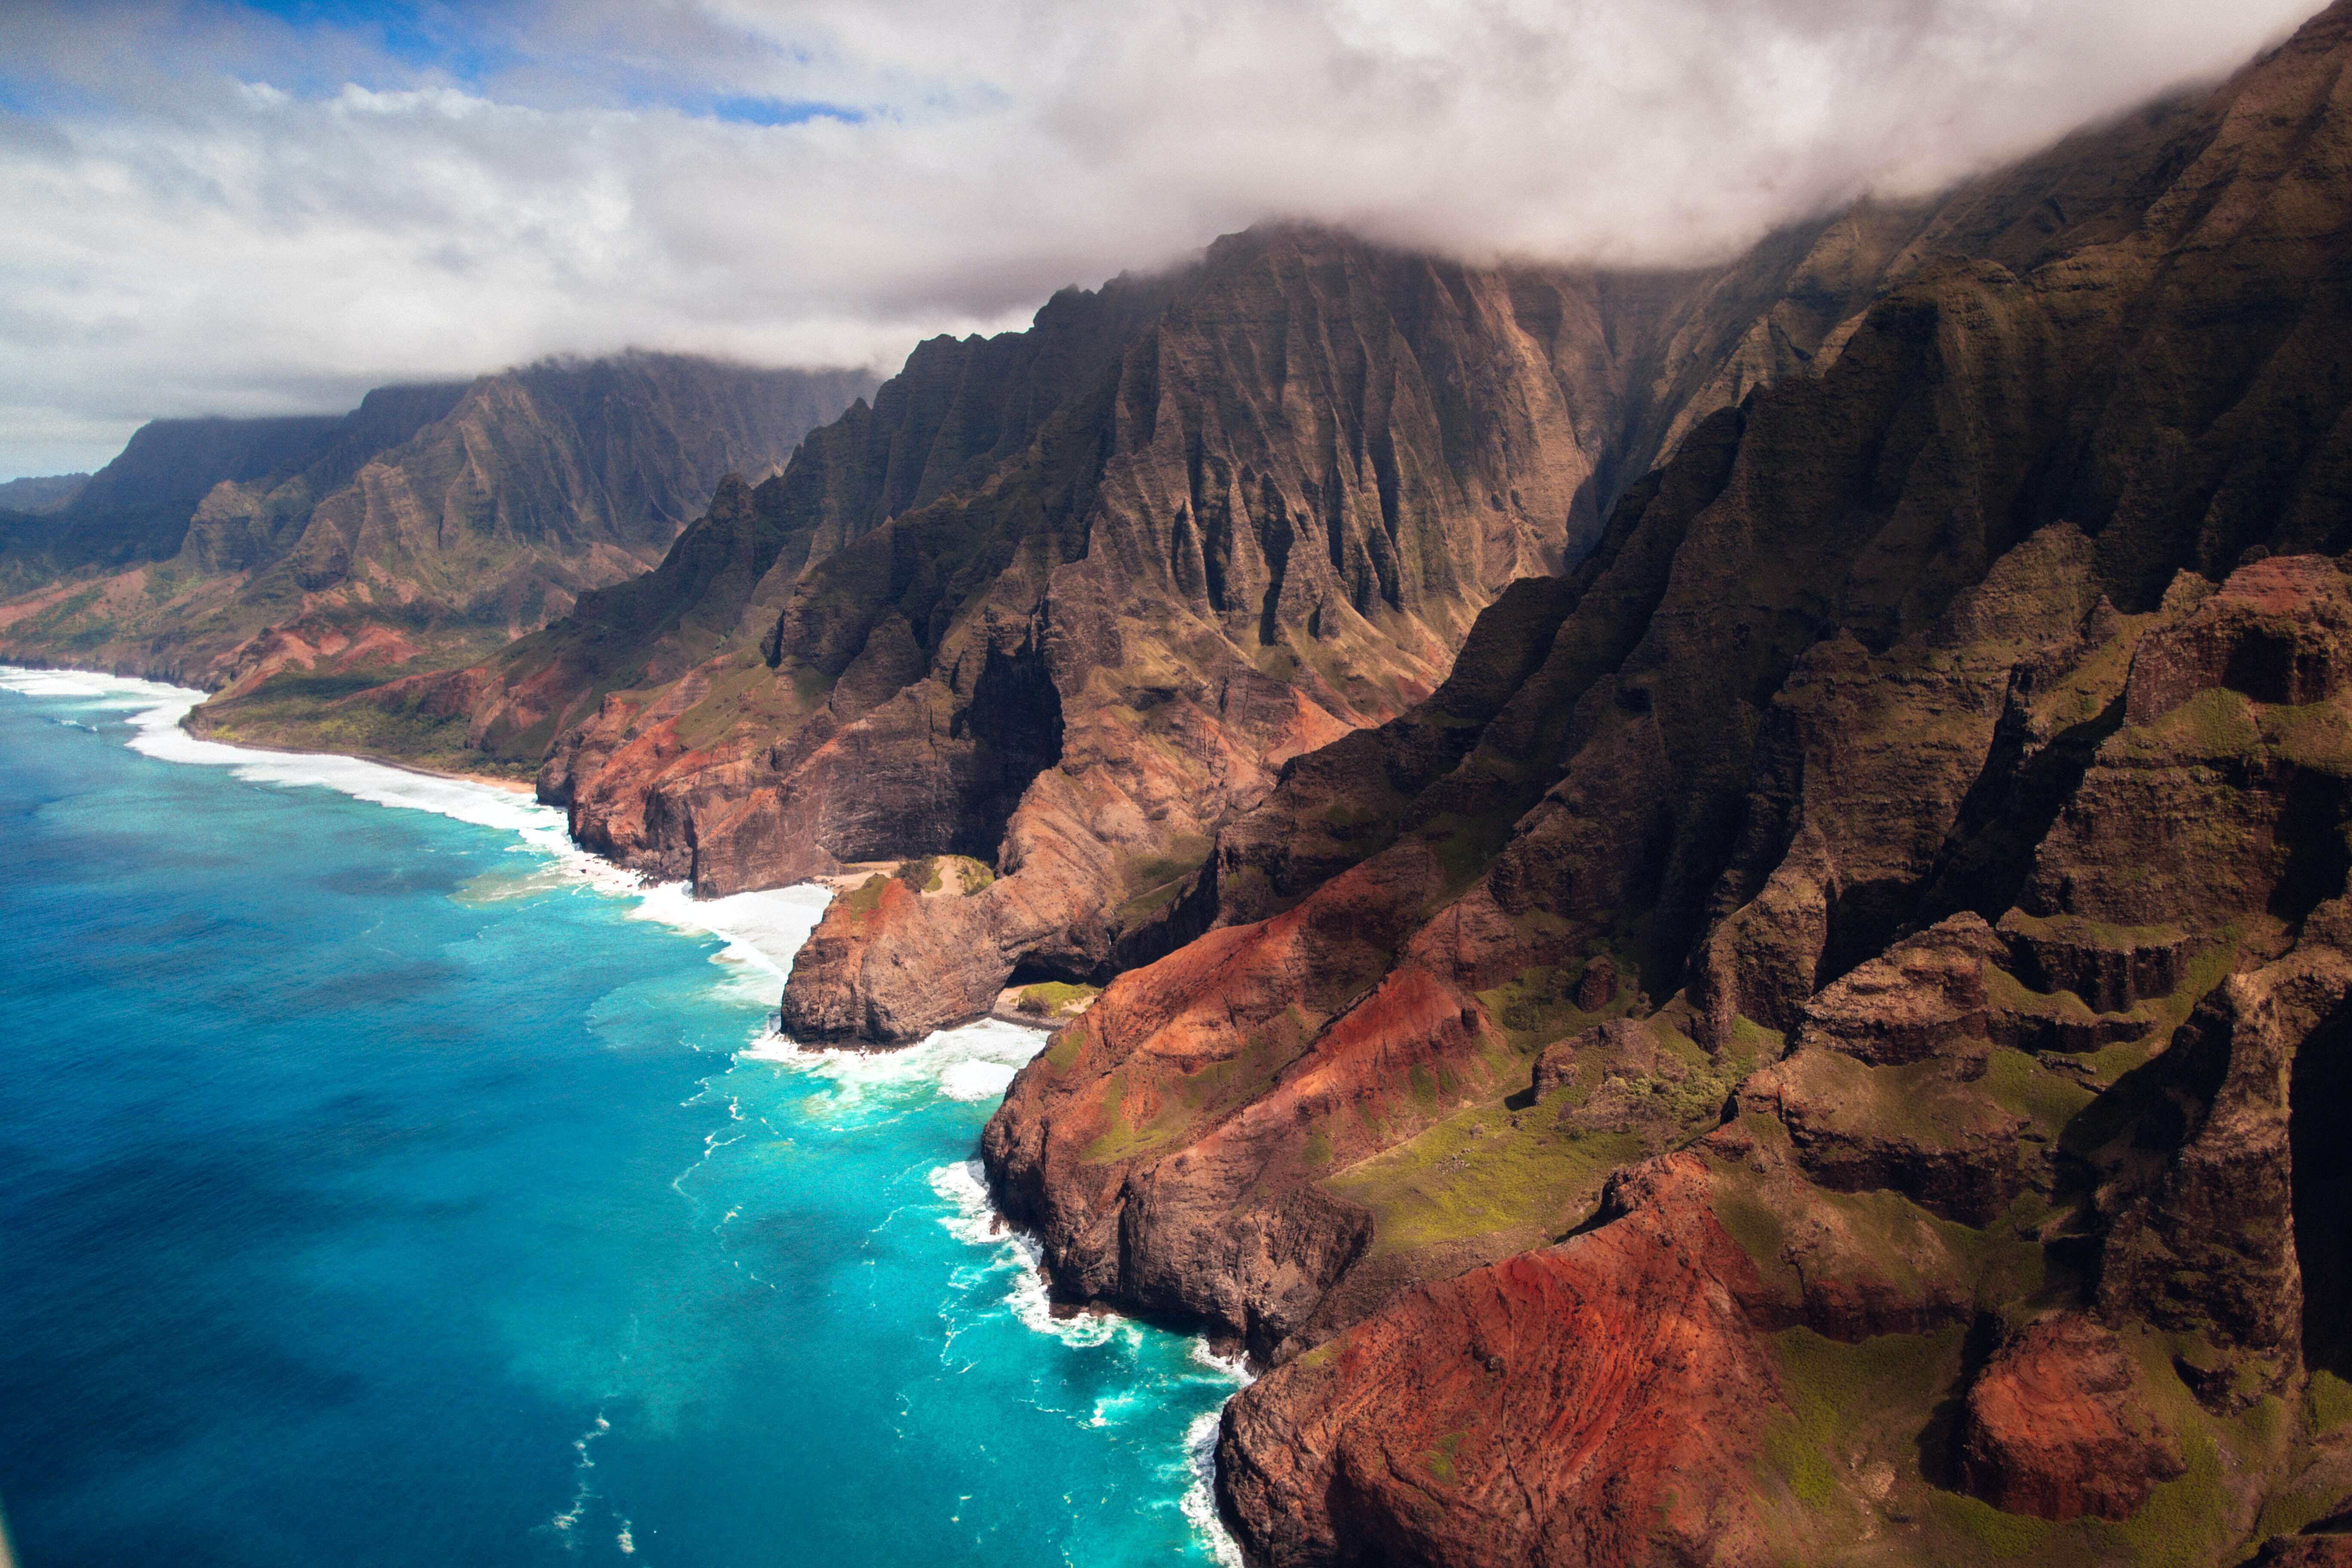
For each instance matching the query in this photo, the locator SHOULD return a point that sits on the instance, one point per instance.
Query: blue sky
(439, 37)
(508, 51)
(242, 206)
(486, 47)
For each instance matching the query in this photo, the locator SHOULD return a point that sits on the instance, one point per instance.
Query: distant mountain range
(42, 493)
(429, 525)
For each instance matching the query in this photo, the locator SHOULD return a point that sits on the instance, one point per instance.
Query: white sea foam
(972, 1219)
(762, 930)
(978, 1078)
(1118, 1405)
(971, 1062)
(114, 690)
(155, 711)
(584, 1492)
(1234, 1366)
(1200, 1502)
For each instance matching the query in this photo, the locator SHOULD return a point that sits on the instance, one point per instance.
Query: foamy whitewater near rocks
(660, 1285)
(763, 929)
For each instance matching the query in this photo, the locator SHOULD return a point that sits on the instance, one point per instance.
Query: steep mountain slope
(431, 523)
(1814, 1043)
(1064, 601)
(1512, 397)
(136, 507)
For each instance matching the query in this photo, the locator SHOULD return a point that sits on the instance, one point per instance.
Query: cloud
(214, 208)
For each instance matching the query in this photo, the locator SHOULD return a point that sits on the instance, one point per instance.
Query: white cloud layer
(210, 210)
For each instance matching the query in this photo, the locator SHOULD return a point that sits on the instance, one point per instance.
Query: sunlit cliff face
(227, 208)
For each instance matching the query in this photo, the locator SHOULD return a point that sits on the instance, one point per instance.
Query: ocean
(383, 1180)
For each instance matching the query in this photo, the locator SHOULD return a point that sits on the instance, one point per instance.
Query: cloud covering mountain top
(238, 209)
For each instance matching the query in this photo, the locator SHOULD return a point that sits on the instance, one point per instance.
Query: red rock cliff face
(1597, 1402)
(1909, 852)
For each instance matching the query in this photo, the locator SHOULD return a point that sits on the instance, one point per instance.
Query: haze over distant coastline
(265, 208)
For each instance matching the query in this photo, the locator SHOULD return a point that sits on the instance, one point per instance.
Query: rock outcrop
(2057, 1426)
(1724, 897)
(1596, 1402)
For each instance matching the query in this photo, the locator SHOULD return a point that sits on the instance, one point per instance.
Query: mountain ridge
(428, 525)
(1834, 1070)
(1720, 897)
(1314, 460)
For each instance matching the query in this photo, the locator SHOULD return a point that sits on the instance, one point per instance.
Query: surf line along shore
(973, 1062)
(763, 929)
(764, 1151)
(1044, 1007)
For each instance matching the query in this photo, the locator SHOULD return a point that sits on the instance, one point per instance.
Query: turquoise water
(383, 1182)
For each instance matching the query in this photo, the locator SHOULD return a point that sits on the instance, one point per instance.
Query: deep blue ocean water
(381, 1186)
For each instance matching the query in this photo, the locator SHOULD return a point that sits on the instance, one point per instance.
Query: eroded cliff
(1812, 1045)
(1067, 601)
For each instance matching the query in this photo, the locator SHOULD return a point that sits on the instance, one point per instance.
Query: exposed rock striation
(2056, 1426)
(1069, 600)
(1727, 892)
(1554, 1409)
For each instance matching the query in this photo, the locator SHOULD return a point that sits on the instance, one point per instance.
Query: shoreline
(511, 786)
(885, 1048)
(1214, 1352)
(680, 1006)
(835, 882)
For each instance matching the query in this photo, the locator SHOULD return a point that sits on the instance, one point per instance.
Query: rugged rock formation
(1729, 891)
(1937, 774)
(2057, 1426)
(1068, 600)
(429, 525)
(1561, 1407)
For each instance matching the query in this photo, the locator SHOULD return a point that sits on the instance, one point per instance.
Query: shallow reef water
(388, 1183)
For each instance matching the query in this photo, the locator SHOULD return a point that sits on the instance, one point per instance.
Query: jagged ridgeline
(1065, 600)
(428, 527)
(1829, 1038)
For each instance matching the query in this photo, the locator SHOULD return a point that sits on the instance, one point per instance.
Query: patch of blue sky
(742, 111)
(423, 38)
(443, 41)
(37, 97)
